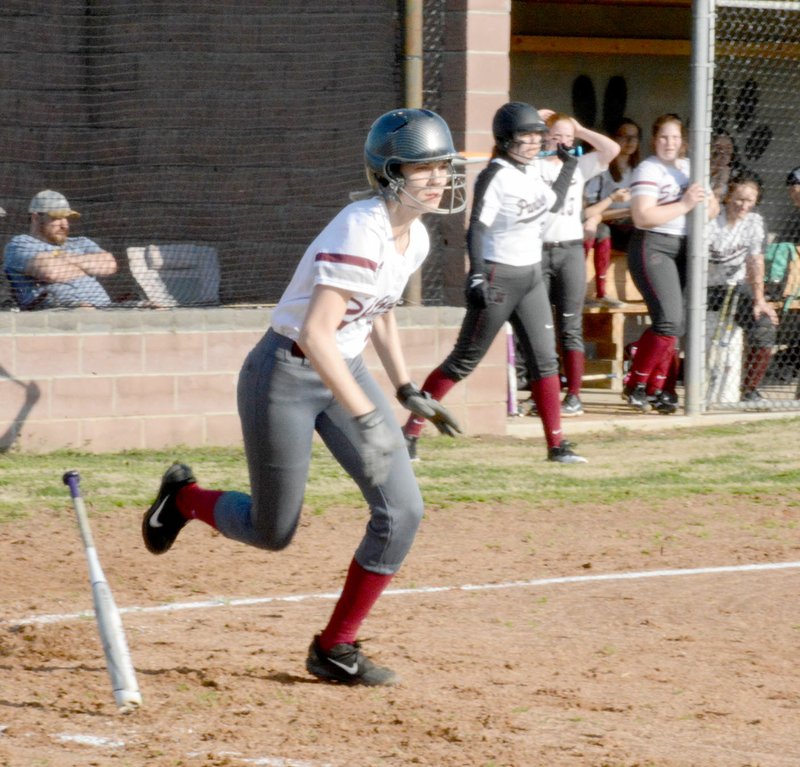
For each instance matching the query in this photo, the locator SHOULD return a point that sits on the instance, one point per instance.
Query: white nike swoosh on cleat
(349, 669)
(154, 521)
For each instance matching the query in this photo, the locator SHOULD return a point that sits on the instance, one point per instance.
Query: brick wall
(125, 379)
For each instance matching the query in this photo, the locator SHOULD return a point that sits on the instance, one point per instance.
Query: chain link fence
(753, 348)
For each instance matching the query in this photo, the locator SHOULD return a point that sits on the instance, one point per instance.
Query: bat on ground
(109, 622)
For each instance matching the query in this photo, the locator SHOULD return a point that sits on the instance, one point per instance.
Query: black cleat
(564, 453)
(636, 396)
(664, 402)
(162, 521)
(345, 663)
(571, 405)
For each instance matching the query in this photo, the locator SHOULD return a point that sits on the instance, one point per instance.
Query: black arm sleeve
(475, 241)
(564, 179)
(476, 230)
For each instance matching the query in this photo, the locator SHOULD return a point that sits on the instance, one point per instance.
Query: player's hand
(378, 443)
(563, 154)
(422, 404)
(477, 291)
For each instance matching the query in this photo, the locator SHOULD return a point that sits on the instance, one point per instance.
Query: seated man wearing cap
(47, 268)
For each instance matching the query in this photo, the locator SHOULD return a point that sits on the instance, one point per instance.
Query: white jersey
(667, 183)
(513, 204)
(354, 252)
(567, 223)
(730, 246)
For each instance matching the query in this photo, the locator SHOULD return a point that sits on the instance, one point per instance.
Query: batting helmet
(408, 136)
(513, 118)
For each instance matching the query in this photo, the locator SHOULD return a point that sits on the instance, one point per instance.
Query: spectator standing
(661, 198)
(607, 215)
(49, 269)
(737, 239)
(504, 243)
(563, 260)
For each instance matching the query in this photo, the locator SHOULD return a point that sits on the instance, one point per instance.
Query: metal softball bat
(109, 621)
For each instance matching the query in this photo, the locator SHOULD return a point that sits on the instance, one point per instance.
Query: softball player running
(504, 243)
(661, 197)
(307, 374)
(563, 260)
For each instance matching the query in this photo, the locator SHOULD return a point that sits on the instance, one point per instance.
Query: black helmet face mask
(413, 137)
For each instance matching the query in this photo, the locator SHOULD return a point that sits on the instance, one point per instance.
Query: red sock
(660, 372)
(651, 349)
(546, 393)
(437, 384)
(361, 590)
(574, 364)
(195, 503)
(602, 260)
(673, 373)
(755, 366)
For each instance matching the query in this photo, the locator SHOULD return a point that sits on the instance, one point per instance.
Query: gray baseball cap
(793, 177)
(52, 203)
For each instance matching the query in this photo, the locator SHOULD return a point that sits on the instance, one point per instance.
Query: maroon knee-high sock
(574, 365)
(361, 590)
(546, 394)
(602, 260)
(660, 373)
(755, 366)
(195, 503)
(651, 349)
(671, 381)
(437, 384)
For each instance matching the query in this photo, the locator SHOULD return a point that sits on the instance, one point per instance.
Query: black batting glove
(477, 292)
(563, 154)
(422, 404)
(378, 444)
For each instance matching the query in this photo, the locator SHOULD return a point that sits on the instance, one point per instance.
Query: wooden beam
(618, 3)
(647, 47)
(600, 45)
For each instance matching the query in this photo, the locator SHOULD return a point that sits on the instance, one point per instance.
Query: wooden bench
(607, 330)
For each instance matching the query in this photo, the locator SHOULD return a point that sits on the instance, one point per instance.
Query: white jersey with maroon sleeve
(566, 223)
(667, 183)
(355, 252)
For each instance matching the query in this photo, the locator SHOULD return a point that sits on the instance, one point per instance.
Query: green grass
(750, 460)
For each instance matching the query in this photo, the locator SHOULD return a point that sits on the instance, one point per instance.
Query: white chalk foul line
(538, 582)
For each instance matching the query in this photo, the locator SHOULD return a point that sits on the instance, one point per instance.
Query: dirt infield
(676, 669)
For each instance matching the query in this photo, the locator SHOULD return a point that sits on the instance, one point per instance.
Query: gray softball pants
(657, 263)
(564, 273)
(516, 294)
(282, 402)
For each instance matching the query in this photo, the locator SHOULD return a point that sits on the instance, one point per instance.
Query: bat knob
(70, 476)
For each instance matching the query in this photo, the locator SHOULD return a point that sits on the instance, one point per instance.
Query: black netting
(224, 134)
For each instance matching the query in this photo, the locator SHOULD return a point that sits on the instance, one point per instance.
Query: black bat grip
(72, 480)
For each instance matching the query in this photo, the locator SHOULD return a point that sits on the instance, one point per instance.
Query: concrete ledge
(130, 378)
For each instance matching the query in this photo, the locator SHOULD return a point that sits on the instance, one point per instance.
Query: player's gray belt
(284, 342)
(561, 244)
